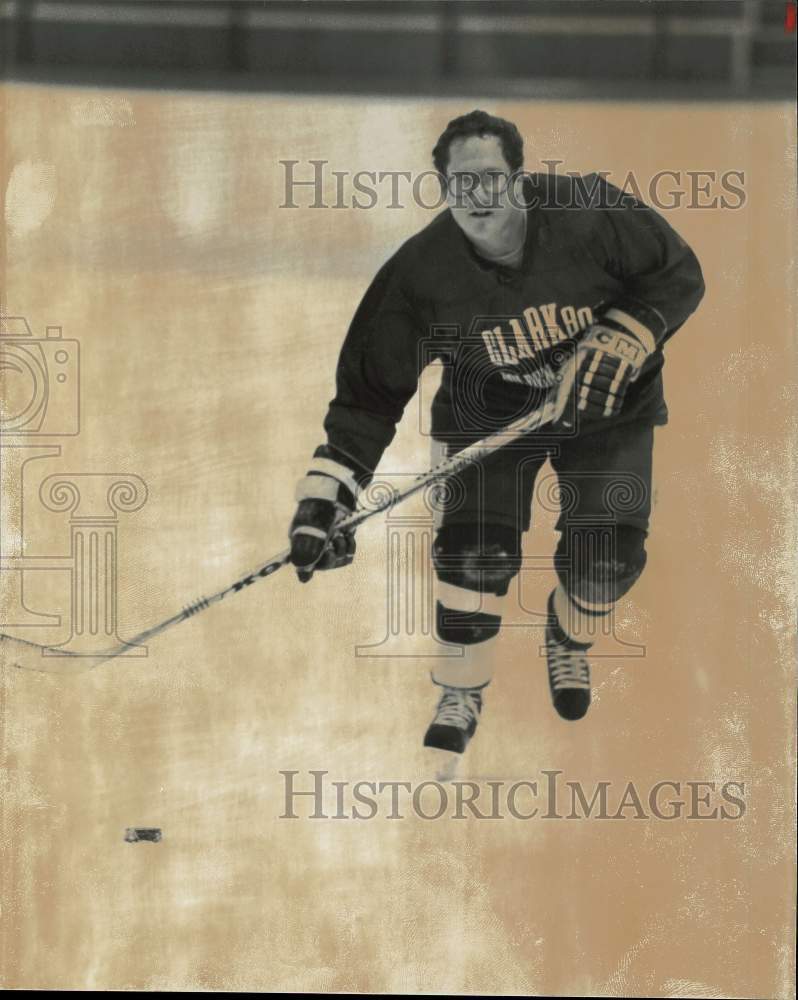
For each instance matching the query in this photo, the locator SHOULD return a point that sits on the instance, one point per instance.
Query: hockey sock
(579, 621)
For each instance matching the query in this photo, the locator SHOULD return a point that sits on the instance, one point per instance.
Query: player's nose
(478, 201)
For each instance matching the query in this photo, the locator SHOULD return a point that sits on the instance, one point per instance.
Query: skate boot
(569, 671)
(455, 719)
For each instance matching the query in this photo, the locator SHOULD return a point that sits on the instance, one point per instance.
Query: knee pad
(482, 558)
(598, 564)
(474, 565)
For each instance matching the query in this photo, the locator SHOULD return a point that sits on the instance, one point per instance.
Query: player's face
(478, 190)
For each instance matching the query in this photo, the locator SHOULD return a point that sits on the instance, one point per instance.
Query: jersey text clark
(543, 327)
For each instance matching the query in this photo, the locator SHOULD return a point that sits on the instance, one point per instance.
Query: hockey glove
(326, 496)
(608, 360)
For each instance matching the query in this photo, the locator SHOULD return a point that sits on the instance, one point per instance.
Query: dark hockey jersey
(500, 333)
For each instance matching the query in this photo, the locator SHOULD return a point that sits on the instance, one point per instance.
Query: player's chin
(479, 221)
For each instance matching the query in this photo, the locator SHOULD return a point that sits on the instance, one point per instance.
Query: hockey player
(525, 273)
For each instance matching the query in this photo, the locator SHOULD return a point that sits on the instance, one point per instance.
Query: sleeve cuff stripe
(328, 467)
(317, 488)
(643, 334)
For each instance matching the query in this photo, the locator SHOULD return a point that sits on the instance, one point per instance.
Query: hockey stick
(21, 653)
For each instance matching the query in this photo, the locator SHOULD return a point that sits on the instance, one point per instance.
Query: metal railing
(735, 48)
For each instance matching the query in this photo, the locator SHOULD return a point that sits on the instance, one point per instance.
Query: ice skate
(569, 670)
(455, 719)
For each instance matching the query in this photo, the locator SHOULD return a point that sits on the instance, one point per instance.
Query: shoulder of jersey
(565, 202)
(560, 187)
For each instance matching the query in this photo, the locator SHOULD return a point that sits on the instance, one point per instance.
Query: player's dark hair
(480, 123)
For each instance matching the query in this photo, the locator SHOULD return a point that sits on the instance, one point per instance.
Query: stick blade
(24, 654)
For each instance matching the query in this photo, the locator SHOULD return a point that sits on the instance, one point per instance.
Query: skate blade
(442, 763)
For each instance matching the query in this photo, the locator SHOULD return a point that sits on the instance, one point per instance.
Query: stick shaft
(456, 463)
(549, 412)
